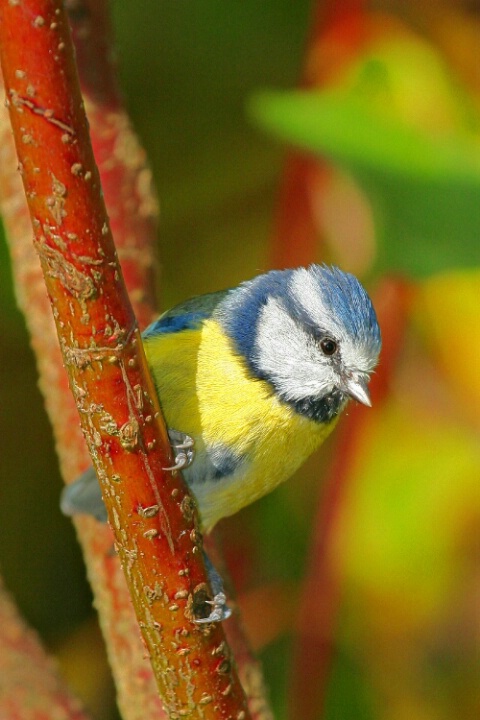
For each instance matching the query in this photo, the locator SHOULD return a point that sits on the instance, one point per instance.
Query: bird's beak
(357, 388)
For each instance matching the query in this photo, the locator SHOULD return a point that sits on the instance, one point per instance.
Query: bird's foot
(220, 609)
(182, 446)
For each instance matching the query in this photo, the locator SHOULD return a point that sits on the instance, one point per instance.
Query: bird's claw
(220, 610)
(181, 461)
(182, 446)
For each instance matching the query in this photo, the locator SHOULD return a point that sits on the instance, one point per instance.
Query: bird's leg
(220, 610)
(182, 446)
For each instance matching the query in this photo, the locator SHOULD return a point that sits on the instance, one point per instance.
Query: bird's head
(312, 333)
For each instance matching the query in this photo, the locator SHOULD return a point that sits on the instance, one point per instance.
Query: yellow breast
(207, 391)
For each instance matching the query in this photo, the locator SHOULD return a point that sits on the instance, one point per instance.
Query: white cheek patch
(287, 355)
(357, 358)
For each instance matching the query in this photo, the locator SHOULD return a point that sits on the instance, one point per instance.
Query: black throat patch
(321, 410)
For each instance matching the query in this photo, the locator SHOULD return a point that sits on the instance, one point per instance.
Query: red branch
(137, 690)
(30, 687)
(132, 210)
(150, 512)
(126, 178)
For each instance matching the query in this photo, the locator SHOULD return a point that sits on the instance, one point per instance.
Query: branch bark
(150, 512)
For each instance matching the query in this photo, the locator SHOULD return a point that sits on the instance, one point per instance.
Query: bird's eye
(328, 346)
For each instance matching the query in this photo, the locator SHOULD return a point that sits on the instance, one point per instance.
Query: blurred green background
(398, 116)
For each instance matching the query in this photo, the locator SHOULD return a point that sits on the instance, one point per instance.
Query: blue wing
(84, 496)
(187, 315)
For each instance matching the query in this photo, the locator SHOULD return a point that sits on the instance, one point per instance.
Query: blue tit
(257, 376)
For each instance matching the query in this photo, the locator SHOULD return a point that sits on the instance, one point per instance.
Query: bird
(251, 380)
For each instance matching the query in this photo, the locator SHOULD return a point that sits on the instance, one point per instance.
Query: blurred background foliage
(389, 110)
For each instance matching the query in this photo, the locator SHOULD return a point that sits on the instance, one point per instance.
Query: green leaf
(425, 190)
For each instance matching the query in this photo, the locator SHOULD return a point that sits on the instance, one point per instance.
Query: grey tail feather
(84, 496)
